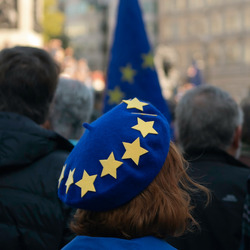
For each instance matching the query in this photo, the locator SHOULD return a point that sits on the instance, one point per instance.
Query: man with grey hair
(208, 126)
(71, 107)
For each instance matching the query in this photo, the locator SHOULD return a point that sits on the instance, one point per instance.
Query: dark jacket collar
(212, 154)
(22, 141)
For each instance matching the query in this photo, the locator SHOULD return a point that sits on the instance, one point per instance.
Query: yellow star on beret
(70, 180)
(145, 127)
(110, 166)
(86, 183)
(61, 176)
(133, 151)
(135, 103)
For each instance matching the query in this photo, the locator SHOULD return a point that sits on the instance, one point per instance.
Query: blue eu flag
(131, 72)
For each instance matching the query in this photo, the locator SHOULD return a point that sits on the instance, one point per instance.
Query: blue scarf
(106, 243)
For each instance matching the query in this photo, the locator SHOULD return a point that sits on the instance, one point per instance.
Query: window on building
(233, 52)
(167, 6)
(167, 30)
(213, 2)
(182, 24)
(181, 4)
(149, 7)
(183, 56)
(163, 7)
(216, 24)
(232, 21)
(247, 18)
(247, 51)
(193, 4)
(37, 16)
(8, 14)
(198, 26)
(213, 53)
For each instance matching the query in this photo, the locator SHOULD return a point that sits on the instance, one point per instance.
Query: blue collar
(91, 243)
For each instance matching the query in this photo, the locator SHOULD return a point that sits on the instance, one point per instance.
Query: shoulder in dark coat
(31, 159)
(221, 220)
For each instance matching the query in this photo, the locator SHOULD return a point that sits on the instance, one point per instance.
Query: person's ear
(235, 146)
(46, 125)
(237, 137)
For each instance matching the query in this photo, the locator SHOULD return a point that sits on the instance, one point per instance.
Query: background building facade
(20, 22)
(90, 25)
(216, 33)
(85, 25)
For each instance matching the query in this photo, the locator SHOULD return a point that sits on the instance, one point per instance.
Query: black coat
(246, 220)
(31, 159)
(221, 221)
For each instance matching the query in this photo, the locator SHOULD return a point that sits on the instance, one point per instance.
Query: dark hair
(28, 79)
(163, 209)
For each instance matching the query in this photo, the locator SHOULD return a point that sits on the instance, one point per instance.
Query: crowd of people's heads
(125, 176)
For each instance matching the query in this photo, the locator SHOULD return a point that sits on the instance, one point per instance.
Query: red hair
(162, 209)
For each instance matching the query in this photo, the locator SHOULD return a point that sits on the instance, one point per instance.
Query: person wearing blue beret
(128, 182)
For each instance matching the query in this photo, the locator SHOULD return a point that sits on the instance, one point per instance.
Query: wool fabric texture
(117, 157)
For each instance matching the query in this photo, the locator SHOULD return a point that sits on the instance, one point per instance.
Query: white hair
(206, 117)
(71, 107)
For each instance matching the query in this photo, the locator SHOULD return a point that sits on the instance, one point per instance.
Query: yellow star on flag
(134, 151)
(128, 73)
(86, 183)
(148, 61)
(145, 127)
(135, 103)
(70, 180)
(110, 166)
(61, 176)
(115, 96)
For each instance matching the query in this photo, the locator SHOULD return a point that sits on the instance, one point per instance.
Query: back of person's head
(207, 117)
(71, 107)
(127, 178)
(28, 79)
(245, 105)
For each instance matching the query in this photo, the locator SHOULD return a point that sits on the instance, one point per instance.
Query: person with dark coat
(208, 126)
(31, 157)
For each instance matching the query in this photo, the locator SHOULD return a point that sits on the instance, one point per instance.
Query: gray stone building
(90, 24)
(216, 33)
(85, 27)
(20, 22)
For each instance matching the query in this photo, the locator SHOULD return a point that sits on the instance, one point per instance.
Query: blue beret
(117, 157)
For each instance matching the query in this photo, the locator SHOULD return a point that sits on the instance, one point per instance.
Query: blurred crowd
(78, 69)
(129, 180)
(70, 66)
